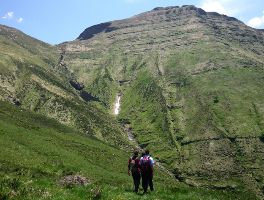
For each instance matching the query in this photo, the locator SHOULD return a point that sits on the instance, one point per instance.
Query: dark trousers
(136, 180)
(147, 181)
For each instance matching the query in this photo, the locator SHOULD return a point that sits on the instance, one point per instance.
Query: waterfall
(117, 105)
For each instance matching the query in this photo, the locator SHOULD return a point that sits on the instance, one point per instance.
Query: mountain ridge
(155, 11)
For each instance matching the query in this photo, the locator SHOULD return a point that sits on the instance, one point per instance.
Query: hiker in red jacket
(146, 168)
(134, 168)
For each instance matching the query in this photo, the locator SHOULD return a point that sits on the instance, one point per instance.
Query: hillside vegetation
(32, 77)
(38, 154)
(192, 90)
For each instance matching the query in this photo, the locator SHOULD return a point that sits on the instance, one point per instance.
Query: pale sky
(56, 21)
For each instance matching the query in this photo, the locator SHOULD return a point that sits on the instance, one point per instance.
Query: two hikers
(141, 167)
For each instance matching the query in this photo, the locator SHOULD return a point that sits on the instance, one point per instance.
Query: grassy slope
(210, 89)
(205, 93)
(36, 152)
(30, 72)
(144, 106)
(227, 94)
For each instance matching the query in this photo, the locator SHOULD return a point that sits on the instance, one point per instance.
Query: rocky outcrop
(86, 96)
(76, 85)
(96, 29)
(71, 180)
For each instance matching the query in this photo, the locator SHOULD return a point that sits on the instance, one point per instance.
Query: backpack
(145, 164)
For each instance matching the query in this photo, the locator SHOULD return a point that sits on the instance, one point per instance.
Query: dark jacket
(133, 164)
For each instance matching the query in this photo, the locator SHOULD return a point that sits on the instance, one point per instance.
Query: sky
(57, 21)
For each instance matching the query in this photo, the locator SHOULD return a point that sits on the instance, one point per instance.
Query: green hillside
(191, 90)
(32, 77)
(38, 153)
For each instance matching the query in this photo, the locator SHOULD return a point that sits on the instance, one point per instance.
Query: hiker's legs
(136, 179)
(151, 182)
(145, 182)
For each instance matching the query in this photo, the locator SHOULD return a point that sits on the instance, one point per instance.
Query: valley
(184, 83)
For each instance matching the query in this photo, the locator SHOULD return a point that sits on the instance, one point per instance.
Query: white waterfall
(117, 104)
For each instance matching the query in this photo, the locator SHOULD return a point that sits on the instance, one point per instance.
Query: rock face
(194, 91)
(96, 29)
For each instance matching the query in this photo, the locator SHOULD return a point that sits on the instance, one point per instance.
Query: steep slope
(192, 90)
(32, 76)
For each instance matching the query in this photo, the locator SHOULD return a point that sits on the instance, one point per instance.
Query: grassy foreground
(37, 152)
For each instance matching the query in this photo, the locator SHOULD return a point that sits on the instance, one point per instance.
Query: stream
(127, 128)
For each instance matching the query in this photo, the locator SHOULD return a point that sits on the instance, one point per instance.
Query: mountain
(191, 85)
(191, 90)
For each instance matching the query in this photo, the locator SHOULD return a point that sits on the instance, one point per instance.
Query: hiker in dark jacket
(134, 168)
(146, 168)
